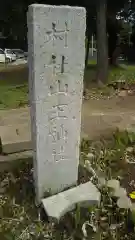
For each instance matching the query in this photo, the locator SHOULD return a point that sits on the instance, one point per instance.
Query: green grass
(13, 75)
(92, 62)
(121, 73)
(13, 86)
(13, 96)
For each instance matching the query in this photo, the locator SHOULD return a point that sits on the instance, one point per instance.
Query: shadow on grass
(13, 75)
(124, 72)
(13, 86)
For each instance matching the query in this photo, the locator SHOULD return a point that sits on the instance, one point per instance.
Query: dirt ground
(98, 116)
(104, 115)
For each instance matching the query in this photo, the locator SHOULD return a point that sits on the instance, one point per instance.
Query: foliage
(19, 216)
(13, 21)
(110, 155)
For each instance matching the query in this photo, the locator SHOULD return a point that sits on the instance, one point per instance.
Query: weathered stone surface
(113, 184)
(15, 138)
(124, 203)
(120, 192)
(56, 64)
(56, 206)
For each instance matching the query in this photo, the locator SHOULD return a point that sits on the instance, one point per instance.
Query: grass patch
(123, 75)
(13, 86)
(13, 75)
(13, 96)
(123, 72)
(92, 62)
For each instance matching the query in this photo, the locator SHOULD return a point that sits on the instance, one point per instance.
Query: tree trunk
(87, 51)
(102, 46)
(112, 45)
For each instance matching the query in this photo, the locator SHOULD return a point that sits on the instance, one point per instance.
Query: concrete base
(58, 205)
(15, 138)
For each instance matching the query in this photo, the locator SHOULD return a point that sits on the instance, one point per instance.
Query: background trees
(108, 19)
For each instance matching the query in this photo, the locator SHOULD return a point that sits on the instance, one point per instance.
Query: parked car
(26, 55)
(7, 56)
(2, 56)
(10, 55)
(19, 53)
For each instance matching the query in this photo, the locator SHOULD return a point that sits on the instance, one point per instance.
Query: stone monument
(56, 40)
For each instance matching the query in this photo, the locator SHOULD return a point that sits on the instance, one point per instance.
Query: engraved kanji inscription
(54, 154)
(62, 64)
(64, 133)
(58, 67)
(59, 87)
(55, 34)
(53, 133)
(59, 111)
(59, 135)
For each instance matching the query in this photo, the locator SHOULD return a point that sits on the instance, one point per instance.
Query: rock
(114, 184)
(120, 192)
(15, 138)
(56, 206)
(123, 93)
(131, 92)
(124, 203)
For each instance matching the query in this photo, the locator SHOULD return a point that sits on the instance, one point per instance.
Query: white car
(10, 55)
(2, 56)
(19, 53)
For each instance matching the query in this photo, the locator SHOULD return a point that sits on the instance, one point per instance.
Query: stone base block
(15, 138)
(85, 194)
